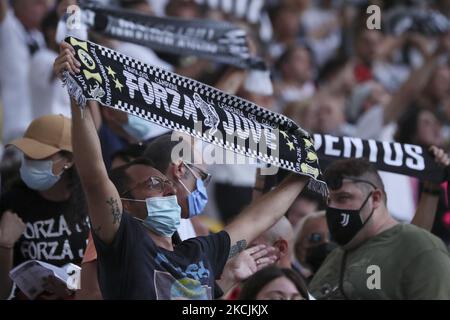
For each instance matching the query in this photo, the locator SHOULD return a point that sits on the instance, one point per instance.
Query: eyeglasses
(335, 183)
(153, 183)
(206, 177)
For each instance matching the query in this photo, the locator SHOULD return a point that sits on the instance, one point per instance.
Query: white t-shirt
(14, 74)
(400, 195)
(48, 96)
(399, 189)
(370, 123)
(186, 230)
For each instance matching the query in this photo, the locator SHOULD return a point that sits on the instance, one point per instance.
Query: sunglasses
(206, 177)
(153, 183)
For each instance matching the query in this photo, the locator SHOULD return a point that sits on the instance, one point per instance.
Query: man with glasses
(190, 179)
(378, 257)
(136, 257)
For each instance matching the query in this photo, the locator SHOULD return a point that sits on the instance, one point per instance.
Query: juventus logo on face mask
(345, 219)
(344, 224)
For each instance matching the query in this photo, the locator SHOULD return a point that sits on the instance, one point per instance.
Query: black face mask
(344, 224)
(316, 255)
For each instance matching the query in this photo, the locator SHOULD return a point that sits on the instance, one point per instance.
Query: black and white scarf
(188, 106)
(218, 41)
(252, 11)
(406, 159)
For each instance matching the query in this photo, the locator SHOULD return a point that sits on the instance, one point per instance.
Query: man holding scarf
(378, 257)
(132, 228)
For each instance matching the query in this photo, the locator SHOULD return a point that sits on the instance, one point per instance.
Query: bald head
(280, 236)
(282, 230)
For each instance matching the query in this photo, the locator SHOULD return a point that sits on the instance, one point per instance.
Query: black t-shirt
(133, 267)
(51, 234)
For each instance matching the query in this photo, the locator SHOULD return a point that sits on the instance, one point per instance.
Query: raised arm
(426, 209)
(389, 45)
(104, 204)
(429, 199)
(410, 90)
(415, 84)
(262, 213)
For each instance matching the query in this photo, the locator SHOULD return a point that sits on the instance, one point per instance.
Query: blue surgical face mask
(38, 174)
(163, 215)
(137, 127)
(197, 199)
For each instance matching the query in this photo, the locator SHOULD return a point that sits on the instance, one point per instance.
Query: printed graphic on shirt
(168, 288)
(50, 239)
(191, 286)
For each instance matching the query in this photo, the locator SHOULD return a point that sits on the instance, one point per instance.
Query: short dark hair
(253, 285)
(159, 151)
(120, 178)
(356, 168)
(312, 196)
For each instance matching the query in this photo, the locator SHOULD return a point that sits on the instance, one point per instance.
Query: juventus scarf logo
(214, 40)
(188, 106)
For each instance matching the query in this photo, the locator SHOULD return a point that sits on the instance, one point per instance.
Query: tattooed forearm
(116, 213)
(237, 248)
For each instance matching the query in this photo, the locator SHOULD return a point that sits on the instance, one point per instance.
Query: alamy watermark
(73, 17)
(373, 22)
(374, 279)
(196, 151)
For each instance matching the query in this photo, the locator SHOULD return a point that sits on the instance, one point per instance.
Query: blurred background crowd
(330, 72)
